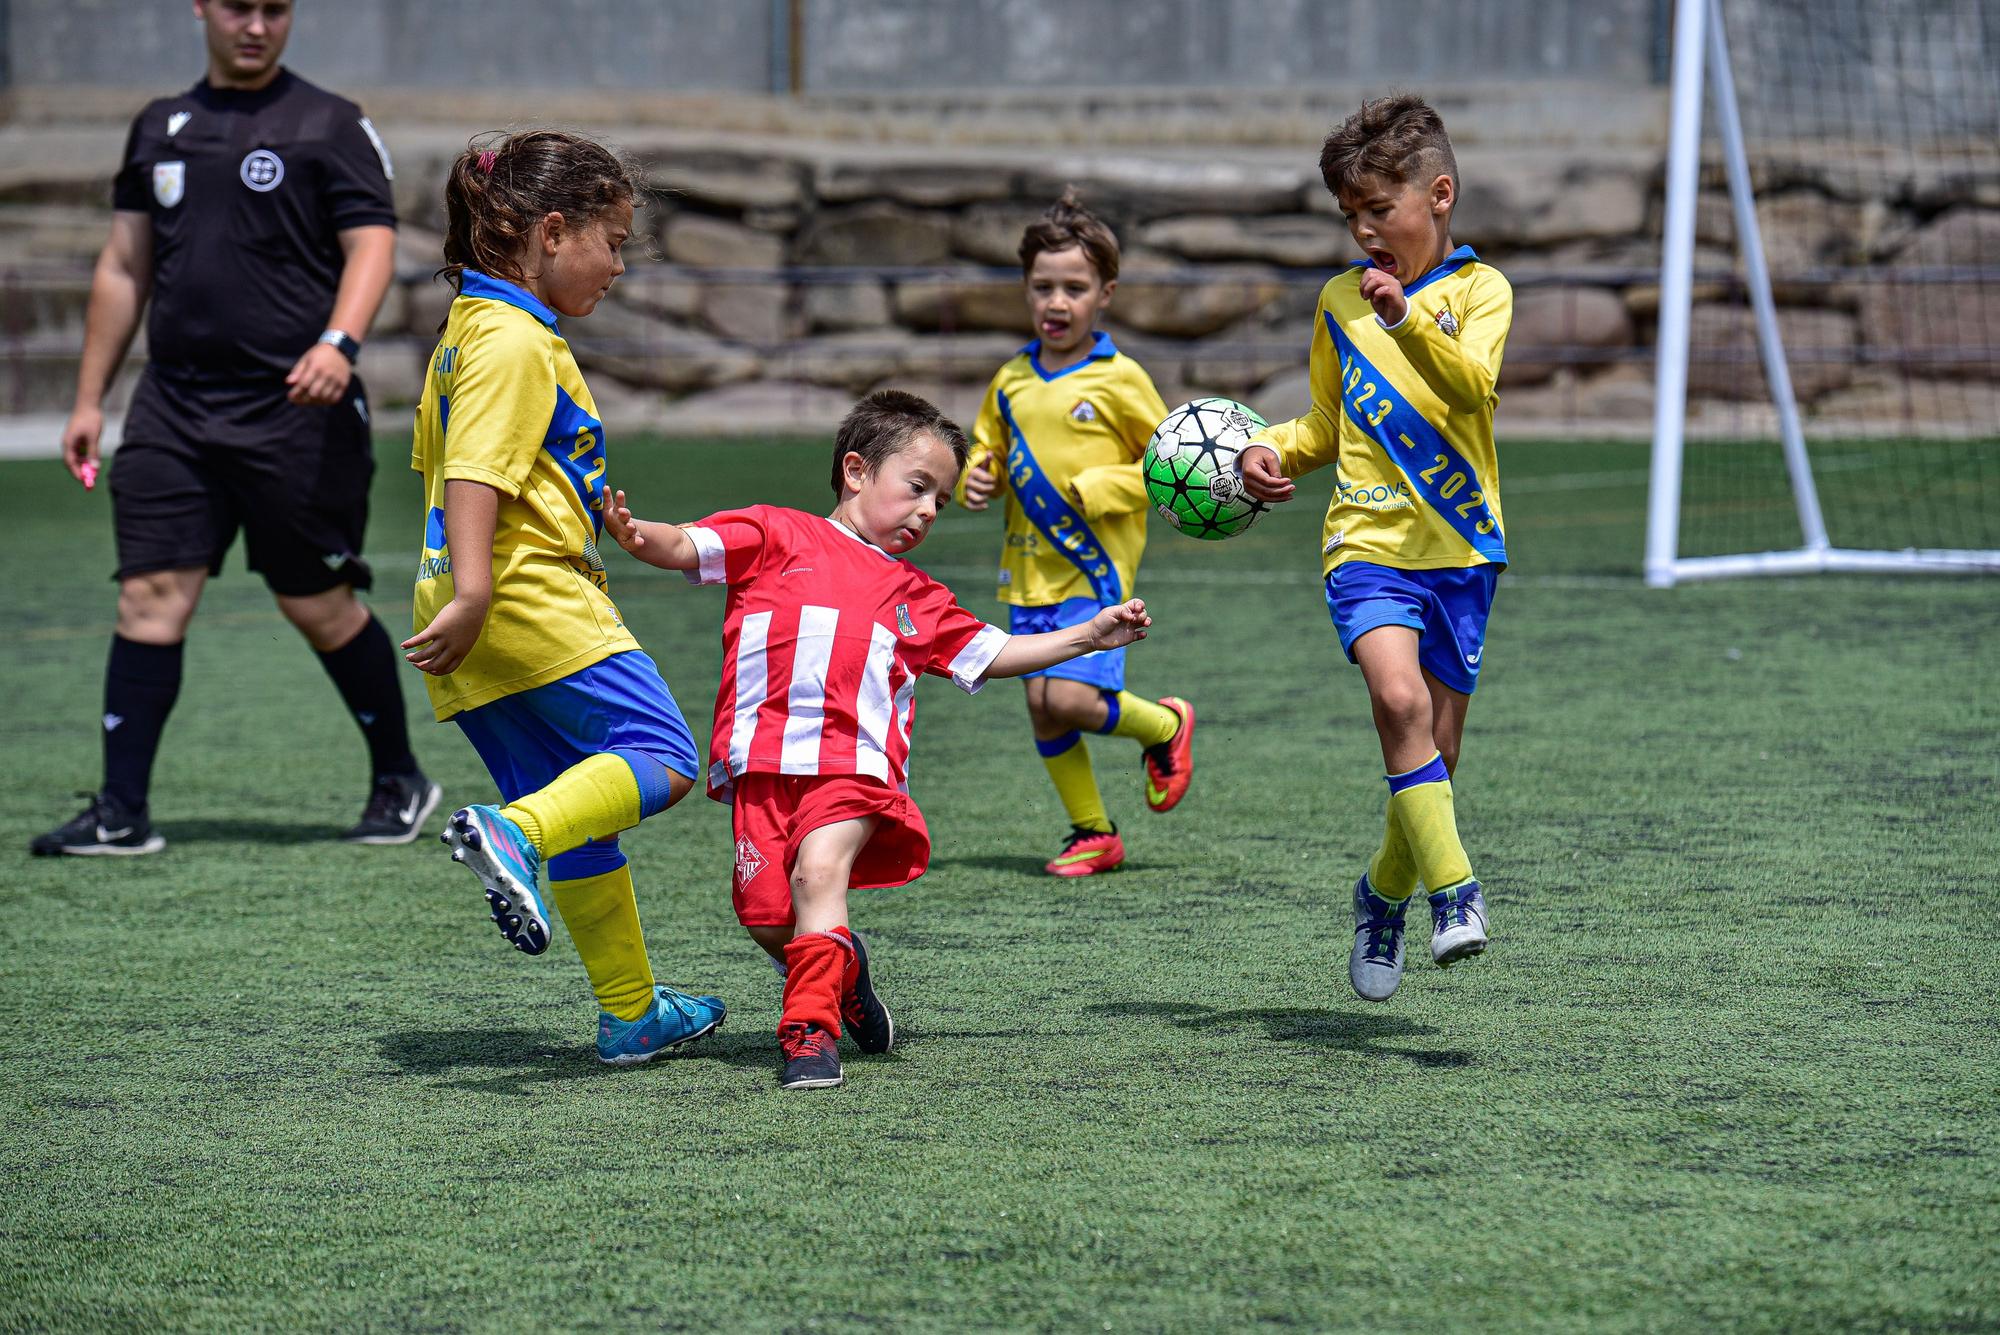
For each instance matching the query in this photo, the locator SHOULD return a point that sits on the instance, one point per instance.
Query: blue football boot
(1458, 923)
(676, 1019)
(1375, 965)
(508, 866)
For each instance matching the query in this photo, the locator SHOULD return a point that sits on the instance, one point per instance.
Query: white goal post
(1701, 65)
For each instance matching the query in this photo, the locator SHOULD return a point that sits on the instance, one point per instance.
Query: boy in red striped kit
(824, 637)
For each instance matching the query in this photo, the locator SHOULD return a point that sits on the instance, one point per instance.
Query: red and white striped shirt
(823, 639)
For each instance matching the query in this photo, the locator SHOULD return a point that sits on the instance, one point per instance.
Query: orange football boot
(1087, 853)
(1170, 765)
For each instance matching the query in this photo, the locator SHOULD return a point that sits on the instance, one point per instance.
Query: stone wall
(778, 277)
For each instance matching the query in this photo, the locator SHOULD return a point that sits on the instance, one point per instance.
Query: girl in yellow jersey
(525, 650)
(1061, 432)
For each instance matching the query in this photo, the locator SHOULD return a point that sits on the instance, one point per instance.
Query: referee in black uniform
(254, 211)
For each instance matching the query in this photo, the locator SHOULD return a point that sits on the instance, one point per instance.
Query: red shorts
(771, 813)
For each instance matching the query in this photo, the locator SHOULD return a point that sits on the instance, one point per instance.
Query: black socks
(364, 670)
(141, 683)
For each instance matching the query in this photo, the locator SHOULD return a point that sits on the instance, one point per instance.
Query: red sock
(816, 967)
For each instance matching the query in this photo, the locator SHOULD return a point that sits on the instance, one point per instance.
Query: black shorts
(201, 461)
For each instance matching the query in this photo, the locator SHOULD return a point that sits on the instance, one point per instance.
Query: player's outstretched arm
(471, 514)
(656, 544)
(1113, 628)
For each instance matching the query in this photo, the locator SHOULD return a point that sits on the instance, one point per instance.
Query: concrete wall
(1249, 43)
(650, 45)
(859, 45)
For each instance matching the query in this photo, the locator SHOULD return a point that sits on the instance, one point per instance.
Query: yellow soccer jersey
(1067, 447)
(1407, 414)
(505, 405)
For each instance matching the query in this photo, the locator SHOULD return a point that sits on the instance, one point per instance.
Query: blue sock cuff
(1431, 771)
(654, 781)
(1055, 746)
(1111, 712)
(593, 857)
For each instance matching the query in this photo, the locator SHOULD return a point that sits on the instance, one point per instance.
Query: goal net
(1829, 335)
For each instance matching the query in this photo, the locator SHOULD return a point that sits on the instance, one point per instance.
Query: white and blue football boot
(508, 866)
(1458, 923)
(1375, 965)
(676, 1019)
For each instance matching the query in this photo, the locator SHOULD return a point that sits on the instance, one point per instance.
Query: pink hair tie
(487, 159)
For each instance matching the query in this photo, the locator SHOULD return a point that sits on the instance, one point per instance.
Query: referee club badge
(262, 170)
(169, 182)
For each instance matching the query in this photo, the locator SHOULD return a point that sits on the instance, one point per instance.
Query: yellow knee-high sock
(1392, 872)
(1068, 760)
(1421, 802)
(1146, 722)
(593, 799)
(603, 919)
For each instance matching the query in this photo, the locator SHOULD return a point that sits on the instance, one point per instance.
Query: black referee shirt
(248, 192)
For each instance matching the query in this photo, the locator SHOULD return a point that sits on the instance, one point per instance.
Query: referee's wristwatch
(346, 345)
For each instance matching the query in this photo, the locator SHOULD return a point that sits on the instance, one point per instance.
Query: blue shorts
(619, 705)
(1104, 669)
(1447, 609)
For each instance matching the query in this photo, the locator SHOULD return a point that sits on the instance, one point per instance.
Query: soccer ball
(1193, 475)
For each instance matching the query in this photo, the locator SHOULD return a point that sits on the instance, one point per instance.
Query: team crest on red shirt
(748, 861)
(903, 622)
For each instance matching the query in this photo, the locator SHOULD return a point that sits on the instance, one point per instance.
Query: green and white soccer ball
(1193, 474)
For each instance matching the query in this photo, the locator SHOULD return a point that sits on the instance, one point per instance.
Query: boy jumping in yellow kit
(1061, 433)
(1405, 359)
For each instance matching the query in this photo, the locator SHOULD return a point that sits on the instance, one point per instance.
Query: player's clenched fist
(1263, 477)
(1384, 292)
(980, 484)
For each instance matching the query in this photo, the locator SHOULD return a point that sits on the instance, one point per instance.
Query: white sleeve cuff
(708, 550)
(1408, 306)
(968, 670)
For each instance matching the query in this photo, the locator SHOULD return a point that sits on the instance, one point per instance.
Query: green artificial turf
(1730, 1062)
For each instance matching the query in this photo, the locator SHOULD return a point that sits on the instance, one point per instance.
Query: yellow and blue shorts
(619, 706)
(1104, 668)
(1447, 609)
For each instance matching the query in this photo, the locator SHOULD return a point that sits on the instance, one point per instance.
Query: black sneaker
(867, 1019)
(811, 1059)
(396, 810)
(102, 829)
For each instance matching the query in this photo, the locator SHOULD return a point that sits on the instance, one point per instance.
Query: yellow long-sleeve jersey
(1066, 447)
(1407, 415)
(505, 406)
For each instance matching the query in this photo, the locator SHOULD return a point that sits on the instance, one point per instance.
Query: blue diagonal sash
(1435, 469)
(1056, 519)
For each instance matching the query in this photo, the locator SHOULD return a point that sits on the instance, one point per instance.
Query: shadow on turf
(1024, 866)
(236, 831)
(1346, 1031)
(527, 1059)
